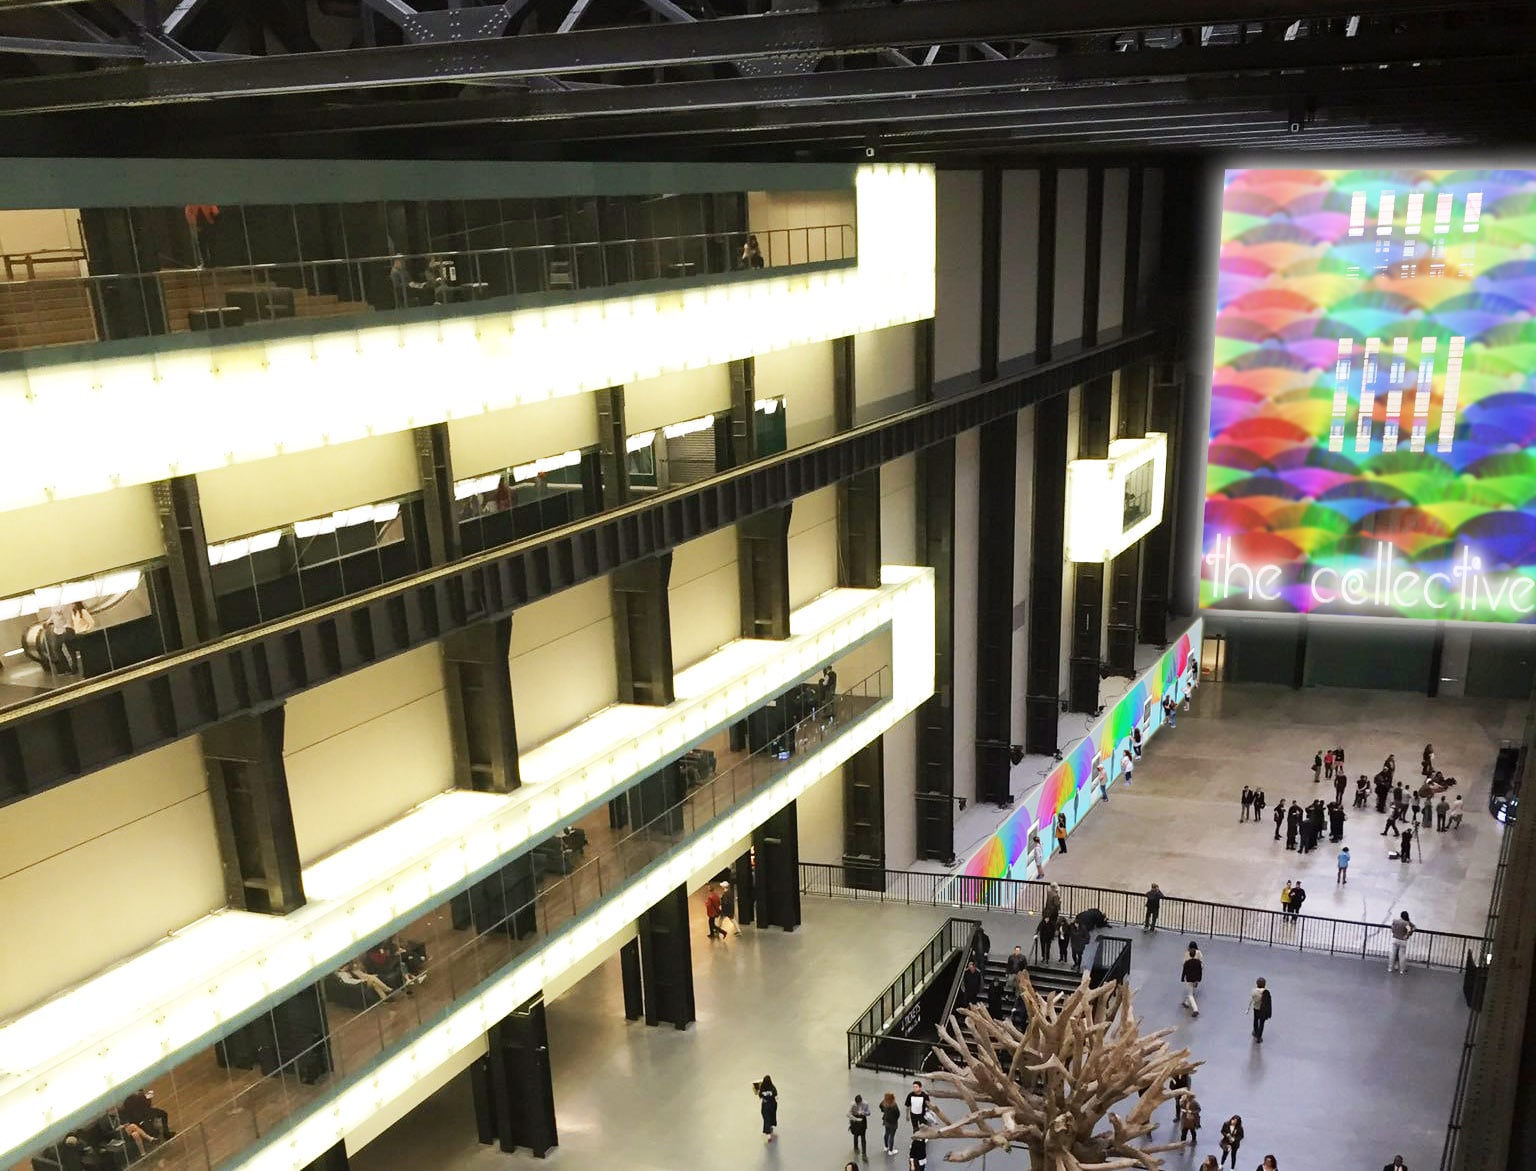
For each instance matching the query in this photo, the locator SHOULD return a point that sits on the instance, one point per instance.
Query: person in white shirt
(1127, 765)
(1454, 820)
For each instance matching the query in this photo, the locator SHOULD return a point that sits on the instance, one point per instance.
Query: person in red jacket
(712, 910)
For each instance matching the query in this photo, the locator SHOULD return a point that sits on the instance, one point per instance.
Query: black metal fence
(1440, 950)
(879, 1026)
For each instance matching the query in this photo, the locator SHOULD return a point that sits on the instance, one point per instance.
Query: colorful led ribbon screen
(1066, 790)
(1373, 423)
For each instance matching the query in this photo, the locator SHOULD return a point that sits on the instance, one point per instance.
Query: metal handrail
(1439, 950)
(30, 260)
(956, 935)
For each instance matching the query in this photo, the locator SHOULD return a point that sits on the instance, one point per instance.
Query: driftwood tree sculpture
(1046, 1088)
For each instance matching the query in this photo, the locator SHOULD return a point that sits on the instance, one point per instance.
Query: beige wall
(900, 751)
(957, 320)
(777, 217)
(819, 817)
(254, 497)
(898, 511)
(812, 546)
(687, 394)
(563, 665)
(885, 370)
(98, 869)
(366, 748)
(77, 537)
(705, 597)
(37, 229)
(502, 439)
(803, 376)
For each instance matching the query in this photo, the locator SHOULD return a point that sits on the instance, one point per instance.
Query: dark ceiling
(942, 80)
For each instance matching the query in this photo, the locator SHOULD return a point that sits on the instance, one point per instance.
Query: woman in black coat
(1231, 1139)
(768, 1101)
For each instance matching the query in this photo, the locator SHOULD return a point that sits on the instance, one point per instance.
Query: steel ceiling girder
(846, 30)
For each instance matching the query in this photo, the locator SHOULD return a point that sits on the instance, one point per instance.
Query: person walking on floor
(768, 1103)
(712, 913)
(1258, 805)
(1402, 928)
(1247, 805)
(1328, 765)
(1231, 1138)
(1340, 783)
(1127, 766)
(1063, 938)
(858, 1126)
(1192, 973)
(1442, 814)
(1343, 879)
(1080, 936)
(1061, 833)
(728, 909)
(1298, 896)
(1279, 816)
(1392, 819)
(890, 1118)
(1317, 768)
(1189, 1120)
(1262, 1005)
(1455, 819)
(917, 1105)
(1154, 904)
(917, 1154)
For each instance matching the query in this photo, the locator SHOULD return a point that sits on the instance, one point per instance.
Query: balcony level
(159, 354)
(66, 1060)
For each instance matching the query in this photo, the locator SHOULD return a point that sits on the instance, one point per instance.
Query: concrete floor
(1329, 1088)
(1178, 825)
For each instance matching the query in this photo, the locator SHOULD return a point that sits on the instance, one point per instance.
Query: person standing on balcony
(1262, 1005)
(1154, 905)
(751, 254)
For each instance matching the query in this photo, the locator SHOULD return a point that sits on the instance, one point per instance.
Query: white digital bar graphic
(1340, 394)
(1415, 213)
(1368, 372)
(1384, 213)
(1474, 213)
(1357, 214)
(1421, 395)
(1448, 403)
(1443, 213)
(1395, 393)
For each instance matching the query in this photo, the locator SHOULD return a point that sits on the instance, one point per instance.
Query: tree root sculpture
(1048, 1087)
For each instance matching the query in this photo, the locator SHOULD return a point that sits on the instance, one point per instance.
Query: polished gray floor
(1357, 1065)
(1178, 826)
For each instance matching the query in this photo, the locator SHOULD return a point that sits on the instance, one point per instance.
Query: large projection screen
(1372, 410)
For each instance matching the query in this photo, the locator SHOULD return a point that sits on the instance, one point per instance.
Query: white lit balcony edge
(330, 1121)
(60, 1069)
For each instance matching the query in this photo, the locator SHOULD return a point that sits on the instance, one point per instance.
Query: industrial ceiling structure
(938, 80)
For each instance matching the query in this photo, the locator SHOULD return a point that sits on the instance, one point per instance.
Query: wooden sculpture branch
(1048, 1087)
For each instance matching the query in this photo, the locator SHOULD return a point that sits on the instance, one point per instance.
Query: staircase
(44, 313)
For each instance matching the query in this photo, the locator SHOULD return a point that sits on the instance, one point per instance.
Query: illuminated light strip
(176, 412)
(1384, 213)
(108, 1034)
(1443, 208)
(1472, 220)
(123, 581)
(1421, 396)
(639, 442)
(1369, 373)
(1357, 214)
(1449, 399)
(1415, 216)
(316, 1130)
(688, 427)
(544, 465)
(476, 486)
(1341, 368)
(1395, 393)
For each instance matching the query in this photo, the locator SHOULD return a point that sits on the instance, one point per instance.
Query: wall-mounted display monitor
(1373, 410)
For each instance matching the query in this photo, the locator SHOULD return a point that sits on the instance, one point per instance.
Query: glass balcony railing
(297, 1075)
(46, 309)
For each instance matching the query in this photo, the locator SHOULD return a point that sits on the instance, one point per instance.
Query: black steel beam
(81, 729)
(666, 961)
(481, 721)
(776, 848)
(1042, 678)
(720, 41)
(864, 817)
(935, 783)
(999, 448)
(521, 1086)
(252, 813)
